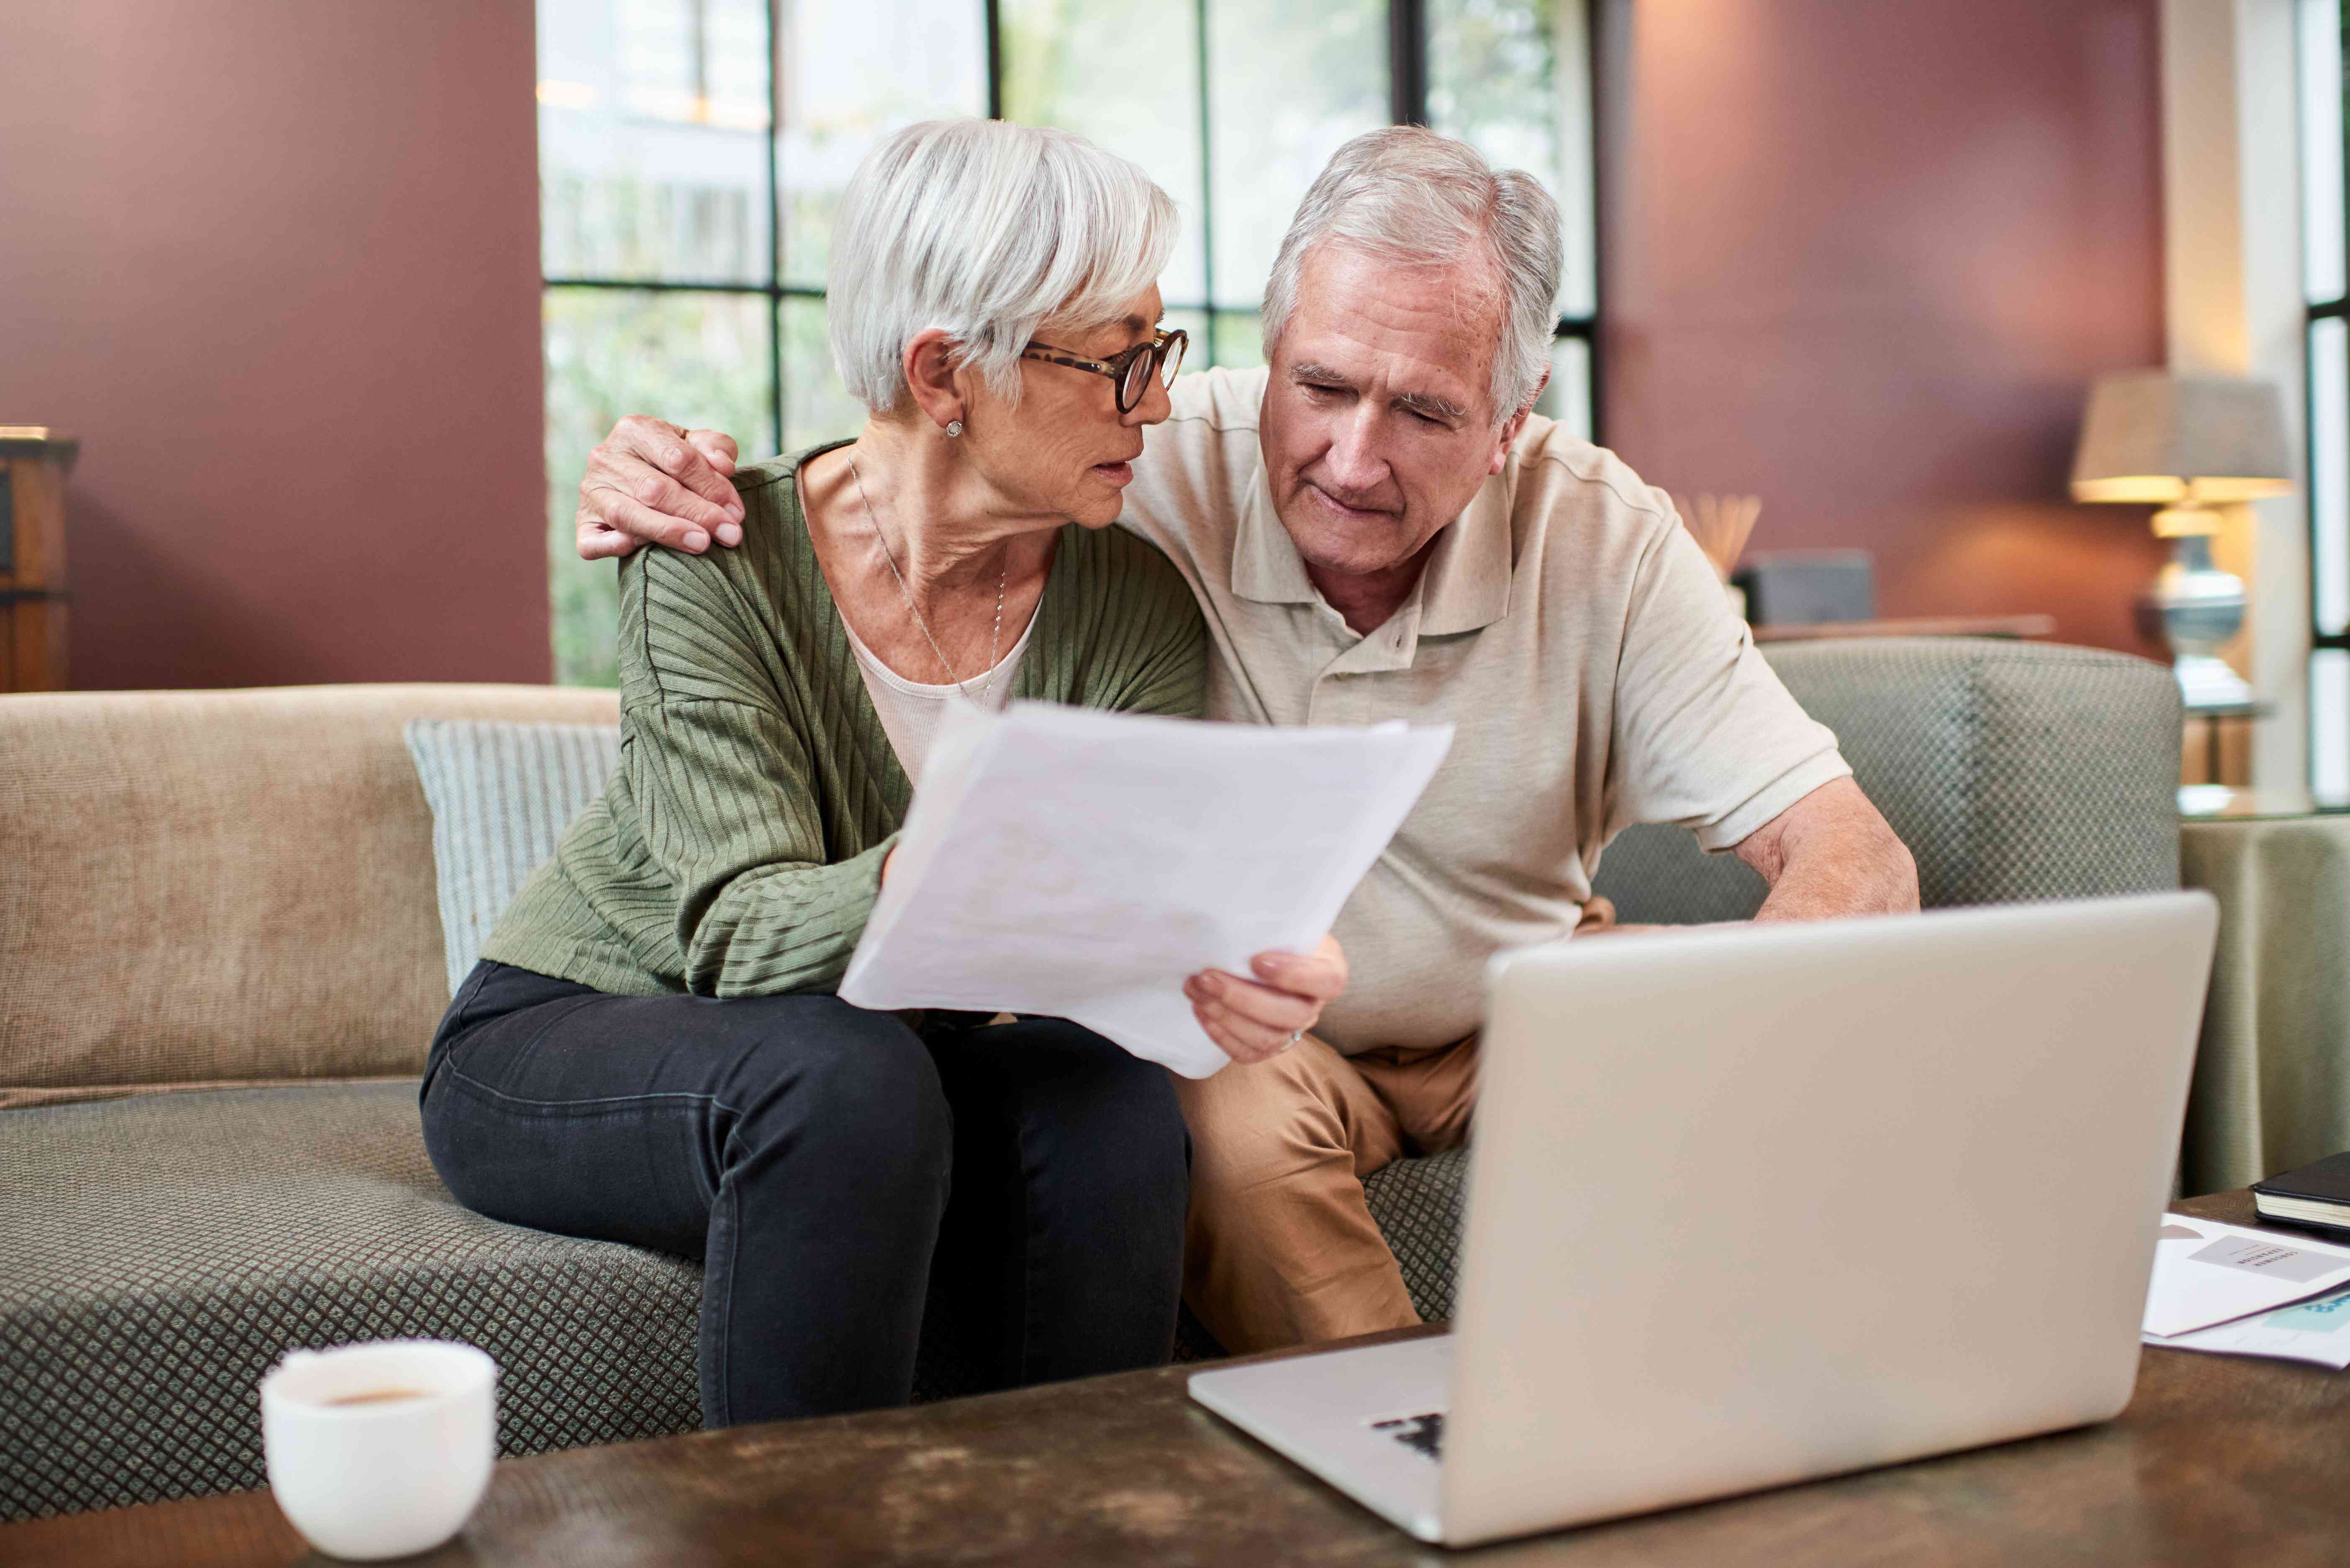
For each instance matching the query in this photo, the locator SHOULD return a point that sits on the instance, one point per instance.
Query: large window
(692, 153)
(2327, 348)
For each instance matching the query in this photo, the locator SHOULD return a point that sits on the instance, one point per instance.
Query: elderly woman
(651, 1051)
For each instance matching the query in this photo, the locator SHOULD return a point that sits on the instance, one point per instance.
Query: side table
(2214, 721)
(33, 462)
(2273, 1073)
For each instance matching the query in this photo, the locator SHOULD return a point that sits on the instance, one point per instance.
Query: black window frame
(2321, 641)
(1408, 79)
(2326, 310)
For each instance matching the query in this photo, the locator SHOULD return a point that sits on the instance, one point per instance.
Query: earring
(954, 428)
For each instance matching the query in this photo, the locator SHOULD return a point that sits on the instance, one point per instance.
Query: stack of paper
(1080, 864)
(2317, 1331)
(2225, 1288)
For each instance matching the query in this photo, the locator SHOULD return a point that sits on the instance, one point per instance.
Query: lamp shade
(2152, 436)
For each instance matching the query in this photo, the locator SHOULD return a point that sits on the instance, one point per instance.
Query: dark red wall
(1863, 260)
(276, 265)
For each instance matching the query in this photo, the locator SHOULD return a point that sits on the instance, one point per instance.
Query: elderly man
(1377, 526)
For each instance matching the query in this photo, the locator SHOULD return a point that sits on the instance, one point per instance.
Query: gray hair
(1407, 195)
(986, 230)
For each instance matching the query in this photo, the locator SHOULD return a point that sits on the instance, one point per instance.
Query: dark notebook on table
(2316, 1194)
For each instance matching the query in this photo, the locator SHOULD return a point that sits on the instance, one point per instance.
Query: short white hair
(985, 230)
(1410, 196)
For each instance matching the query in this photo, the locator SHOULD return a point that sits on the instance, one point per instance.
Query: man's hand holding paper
(1127, 873)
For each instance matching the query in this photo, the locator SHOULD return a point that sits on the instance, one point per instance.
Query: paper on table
(1079, 864)
(2317, 1331)
(2206, 1273)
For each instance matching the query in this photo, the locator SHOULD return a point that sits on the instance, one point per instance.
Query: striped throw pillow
(502, 794)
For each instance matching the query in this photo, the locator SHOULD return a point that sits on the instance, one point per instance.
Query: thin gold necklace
(995, 639)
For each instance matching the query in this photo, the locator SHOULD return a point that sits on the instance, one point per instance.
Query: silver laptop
(1750, 1207)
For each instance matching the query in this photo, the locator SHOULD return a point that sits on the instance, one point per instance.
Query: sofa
(222, 957)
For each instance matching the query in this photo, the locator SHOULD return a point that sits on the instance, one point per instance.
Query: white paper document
(2317, 1331)
(2206, 1273)
(1082, 865)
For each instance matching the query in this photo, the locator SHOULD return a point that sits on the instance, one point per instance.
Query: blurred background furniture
(1721, 525)
(2188, 444)
(33, 462)
(1794, 596)
(225, 962)
(2011, 626)
(1806, 587)
(2215, 760)
(2272, 1073)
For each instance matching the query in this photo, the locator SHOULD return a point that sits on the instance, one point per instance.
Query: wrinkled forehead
(1444, 317)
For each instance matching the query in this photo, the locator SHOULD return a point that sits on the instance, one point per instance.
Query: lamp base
(2206, 683)
(2195, 607)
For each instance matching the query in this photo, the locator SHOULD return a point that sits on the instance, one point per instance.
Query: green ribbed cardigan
(738, 849)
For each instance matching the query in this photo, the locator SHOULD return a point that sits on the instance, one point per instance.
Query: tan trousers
(1281, 1249)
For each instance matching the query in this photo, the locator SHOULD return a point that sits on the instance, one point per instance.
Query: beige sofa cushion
(209, 887)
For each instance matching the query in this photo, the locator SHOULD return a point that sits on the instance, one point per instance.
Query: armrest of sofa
(2012, 770)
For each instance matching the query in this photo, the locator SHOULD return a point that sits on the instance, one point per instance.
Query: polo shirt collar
(1466, 585)
(1266, 567)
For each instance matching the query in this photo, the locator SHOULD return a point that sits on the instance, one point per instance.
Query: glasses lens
(1135, 381)
(1171, 357)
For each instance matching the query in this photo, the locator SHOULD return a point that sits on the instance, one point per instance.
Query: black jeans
(804, 1150)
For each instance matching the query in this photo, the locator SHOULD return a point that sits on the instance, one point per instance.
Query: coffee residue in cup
(377, 1397)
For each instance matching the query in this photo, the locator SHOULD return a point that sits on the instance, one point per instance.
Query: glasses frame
(1164, 349)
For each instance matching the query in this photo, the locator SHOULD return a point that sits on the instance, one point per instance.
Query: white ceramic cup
(385, 1478)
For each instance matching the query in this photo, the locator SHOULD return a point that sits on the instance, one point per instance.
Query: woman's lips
(1116, 472)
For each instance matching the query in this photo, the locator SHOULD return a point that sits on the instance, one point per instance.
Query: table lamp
(2188, 444)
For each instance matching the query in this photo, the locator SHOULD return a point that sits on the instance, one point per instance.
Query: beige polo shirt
(1567, 627)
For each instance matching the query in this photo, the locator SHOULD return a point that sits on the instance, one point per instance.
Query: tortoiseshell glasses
(1129, 371)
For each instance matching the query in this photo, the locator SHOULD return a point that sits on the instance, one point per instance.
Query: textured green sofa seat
(165, 1249)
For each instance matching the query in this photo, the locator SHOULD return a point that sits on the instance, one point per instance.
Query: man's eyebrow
(1434, 406)
(1427, 403)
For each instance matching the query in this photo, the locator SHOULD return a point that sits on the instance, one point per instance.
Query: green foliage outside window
(701, 359)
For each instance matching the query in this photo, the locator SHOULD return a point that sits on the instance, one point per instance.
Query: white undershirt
(911, 710)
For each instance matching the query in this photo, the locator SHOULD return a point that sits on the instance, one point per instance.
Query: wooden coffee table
(2219, 1459)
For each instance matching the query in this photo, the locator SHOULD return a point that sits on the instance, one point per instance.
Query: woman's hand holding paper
(1254, 1019)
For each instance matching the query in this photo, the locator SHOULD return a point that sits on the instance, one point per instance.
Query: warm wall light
(2187, 445)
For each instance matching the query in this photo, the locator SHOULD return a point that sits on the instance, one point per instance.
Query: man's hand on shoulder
(654, 483)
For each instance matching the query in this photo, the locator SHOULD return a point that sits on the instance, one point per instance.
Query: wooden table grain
(2219, 1459)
